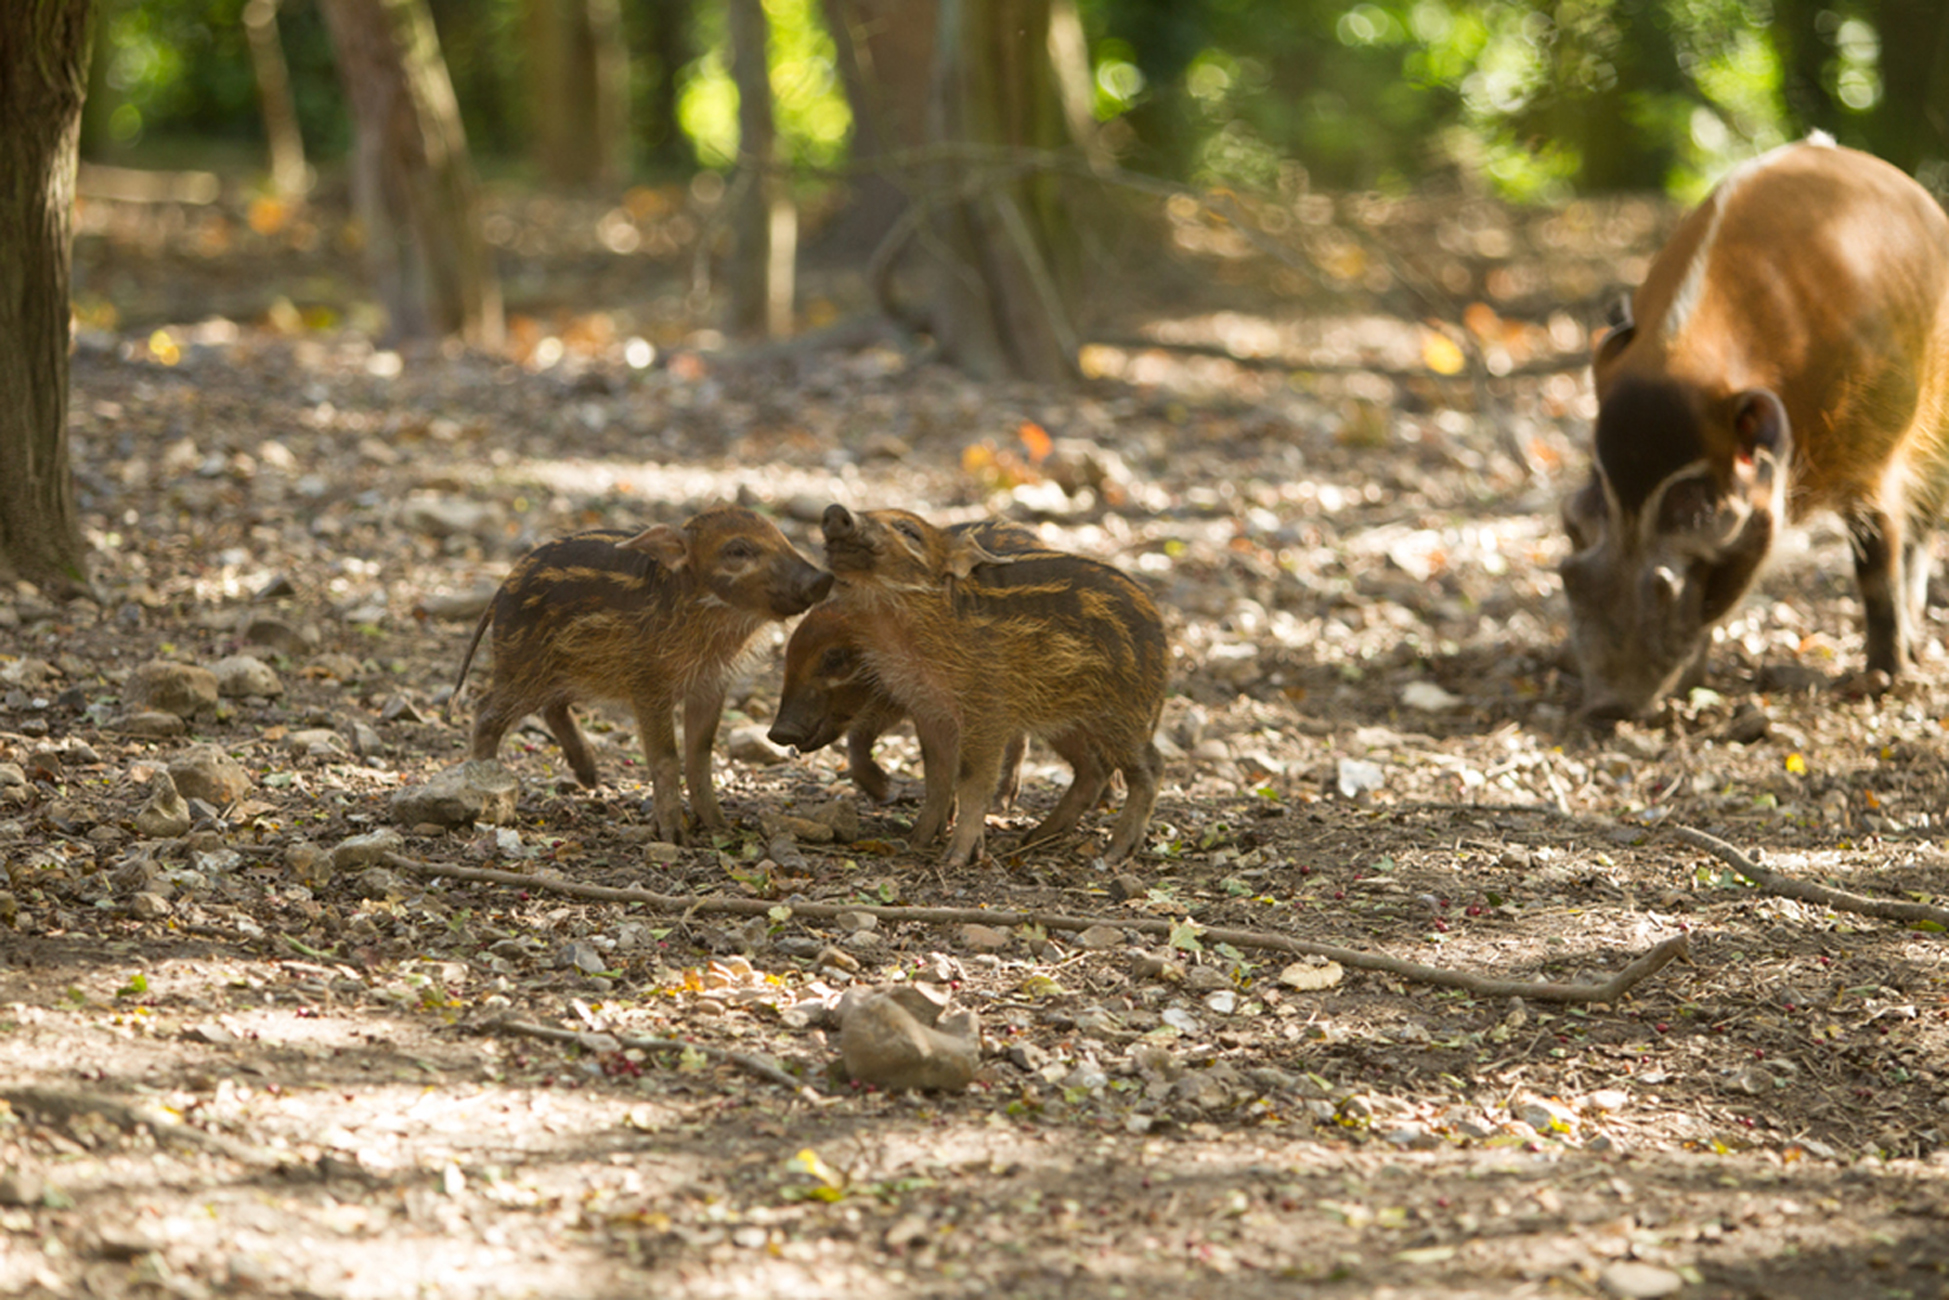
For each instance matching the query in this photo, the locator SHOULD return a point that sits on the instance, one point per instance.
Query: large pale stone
(208, 773)
(182, 689)
(478, 791)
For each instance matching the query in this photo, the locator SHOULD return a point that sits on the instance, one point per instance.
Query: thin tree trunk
(44, 49)
(1005, 259)
(670, 51)
(578, 90)
(412, 178)
(764, 224)
(288, 173)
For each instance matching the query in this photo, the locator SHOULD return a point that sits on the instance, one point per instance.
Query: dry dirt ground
(230, 1065)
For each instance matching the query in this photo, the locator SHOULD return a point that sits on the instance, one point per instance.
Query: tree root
(1840, 900)
(693, 905)
(591, 1040)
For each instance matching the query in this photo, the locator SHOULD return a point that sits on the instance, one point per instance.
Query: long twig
(67, 1106)
(750, 1064)
(1886, 909)
(691, 905)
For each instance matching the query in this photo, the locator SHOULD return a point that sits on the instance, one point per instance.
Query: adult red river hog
(1789, 352)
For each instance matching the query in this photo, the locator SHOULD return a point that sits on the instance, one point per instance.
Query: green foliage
(814, 121)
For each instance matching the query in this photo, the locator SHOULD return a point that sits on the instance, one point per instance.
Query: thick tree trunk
(44, 50)
(578, 88)
(288, 174)
(764, 222)
(412, 178)
(1000, 302)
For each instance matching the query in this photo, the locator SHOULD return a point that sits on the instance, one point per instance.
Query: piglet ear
(666, 545)
(1764, 443)
(966, 555)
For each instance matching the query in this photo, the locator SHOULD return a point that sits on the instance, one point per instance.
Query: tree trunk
(669, 45)
(764, 222)
(578, 84)
(288, 173)
(885, 55)
(1908, 127)
(1000, 301)
(44, 50)
(412, 178)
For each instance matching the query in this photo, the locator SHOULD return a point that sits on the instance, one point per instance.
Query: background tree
(578, 84)
(412, 177)
(763, 221)
(44, 49)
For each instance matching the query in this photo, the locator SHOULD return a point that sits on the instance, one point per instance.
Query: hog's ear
(666, 545)
(1619, 330)
(1586, 514)
(965, 555)
(1764, 444)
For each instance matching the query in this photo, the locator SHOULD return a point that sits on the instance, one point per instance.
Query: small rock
(278, 635)
(1357, 777)
(398, 708)
(841, 816)
(1128, 886)
(379, 883)
(165, 816)
(182, 689)
(1428, 697)
(152, 725)
(21, 1187)
(364, 850)
(798, 829)
(483, 791)
(1099, 937)
(983, 938)
(449, 516)
(317, 742)
(1631, 1280)
(897, 1038)
(458, 606)
(244, 676)
(748, 744)
(206, 772)
(340, 668)
(1747, 726)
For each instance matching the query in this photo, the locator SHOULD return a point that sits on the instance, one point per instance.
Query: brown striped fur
(829, 691)
(657, 619)
(979, 648)
(1790, 352)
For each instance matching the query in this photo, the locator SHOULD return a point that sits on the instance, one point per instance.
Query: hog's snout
(802, 589)
(806, 734)
(837, 522)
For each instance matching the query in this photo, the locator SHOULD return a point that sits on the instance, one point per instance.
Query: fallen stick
(690, 905)
(590, 1040)
(66, 1107)
(1886, 909)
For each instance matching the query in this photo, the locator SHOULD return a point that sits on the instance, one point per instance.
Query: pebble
(899, 1038)
(246, 677)
(165, 815)
(1632, 1280)
(206, 772)
(164, 687)
(479, 791)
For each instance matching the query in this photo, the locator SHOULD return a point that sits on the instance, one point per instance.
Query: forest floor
(244, 1059)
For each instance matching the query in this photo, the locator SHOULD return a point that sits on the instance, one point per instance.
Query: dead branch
(711, 904)
(1886, 909)
(65, 1107)
(593, 1041)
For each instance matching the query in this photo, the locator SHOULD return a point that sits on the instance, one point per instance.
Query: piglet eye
(835, 661)
(739, 550)
(910, 529)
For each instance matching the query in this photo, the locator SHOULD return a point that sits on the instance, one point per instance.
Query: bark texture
(412, 177)
(44, 47)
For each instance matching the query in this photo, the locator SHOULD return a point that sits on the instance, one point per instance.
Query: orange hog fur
(1790, 352)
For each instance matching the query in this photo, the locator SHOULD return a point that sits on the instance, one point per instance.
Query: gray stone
(166, 815)
(152, 725)
(449, 516)
(245, 676)
(206, 772)
(149, 906)
(1632, 1280)
(475, 791)
(841, 816)
(317, 742)
(278, 635)
(365, 850)
(182, 689)
(897, 1038)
